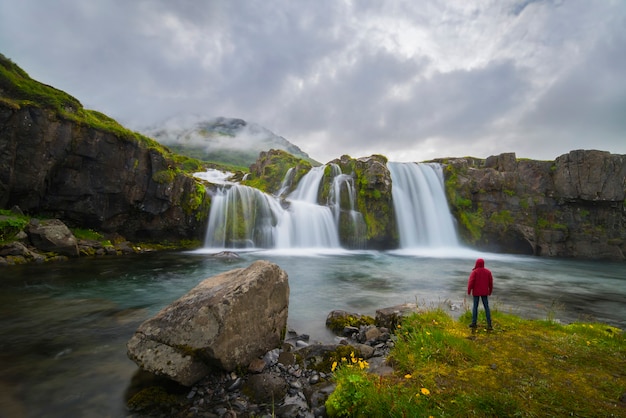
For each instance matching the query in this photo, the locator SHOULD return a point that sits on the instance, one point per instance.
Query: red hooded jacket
(480, 281)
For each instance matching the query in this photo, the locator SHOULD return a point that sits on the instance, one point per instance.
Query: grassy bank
(526, 368)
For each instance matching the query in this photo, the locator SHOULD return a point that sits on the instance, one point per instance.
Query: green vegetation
(543, 223)
(470, 217)
(239, 159)
(11, 224)
(268, 172)
(338, 323)
(164, 176)
(473, 222)
(329, 362)
(153, 399)
(502, 218)
(197, 202)
(90, 235)
(19, 90)
(525, 368)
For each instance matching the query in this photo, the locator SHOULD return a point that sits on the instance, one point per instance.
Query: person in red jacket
(480, 285)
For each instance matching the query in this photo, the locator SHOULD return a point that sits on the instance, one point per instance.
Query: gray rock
(53, 235)
(390, 317)
(590, 175)
(266, 387)
(225, 322)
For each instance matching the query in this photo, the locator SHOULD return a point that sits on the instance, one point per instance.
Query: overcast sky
(412, 80)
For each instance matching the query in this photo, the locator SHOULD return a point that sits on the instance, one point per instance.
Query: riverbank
(432, 365)
(522, 368)
(26, 240)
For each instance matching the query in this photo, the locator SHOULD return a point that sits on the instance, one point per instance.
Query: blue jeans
(475, 309)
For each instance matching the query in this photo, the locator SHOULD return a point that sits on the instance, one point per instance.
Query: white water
(421, 206)
(244, 217)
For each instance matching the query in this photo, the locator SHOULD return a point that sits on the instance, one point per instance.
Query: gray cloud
(412, 80)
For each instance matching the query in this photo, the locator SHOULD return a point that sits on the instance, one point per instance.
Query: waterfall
(245, 217)
(342, 200)
(242, 217)
(421, 207)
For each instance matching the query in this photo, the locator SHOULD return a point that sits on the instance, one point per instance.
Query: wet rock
(390, 317)
(266, 387)
(257, 365)
(338, 321)
(18, 249)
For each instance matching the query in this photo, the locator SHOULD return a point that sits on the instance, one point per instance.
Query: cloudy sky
(412, 80)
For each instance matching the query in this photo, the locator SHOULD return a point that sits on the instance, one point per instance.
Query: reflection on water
(63, 327)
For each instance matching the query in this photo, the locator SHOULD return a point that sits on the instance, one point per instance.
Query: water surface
(64, 326)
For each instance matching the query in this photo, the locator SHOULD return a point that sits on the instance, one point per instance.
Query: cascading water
(342, 200)
(420, 204)
(244, 217)
(305, 223)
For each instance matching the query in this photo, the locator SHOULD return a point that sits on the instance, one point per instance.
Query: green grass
(90, 235)
(11, 224)
(524, 368)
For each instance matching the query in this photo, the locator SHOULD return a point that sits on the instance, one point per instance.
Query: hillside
(221, 140)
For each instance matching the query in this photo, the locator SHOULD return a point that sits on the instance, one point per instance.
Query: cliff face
(55, 167)
(572, 207)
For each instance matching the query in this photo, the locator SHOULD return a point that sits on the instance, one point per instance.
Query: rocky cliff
(570, 207)
(61, 161)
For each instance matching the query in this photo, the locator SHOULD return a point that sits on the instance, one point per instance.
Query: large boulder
(53, 235)
(225, 322)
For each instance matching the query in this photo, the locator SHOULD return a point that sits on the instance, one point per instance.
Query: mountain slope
(223, 140)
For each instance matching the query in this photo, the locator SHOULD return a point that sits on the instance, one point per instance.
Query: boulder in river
(223, 323)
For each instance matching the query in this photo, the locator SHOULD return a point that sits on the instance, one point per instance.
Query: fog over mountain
(220, 139)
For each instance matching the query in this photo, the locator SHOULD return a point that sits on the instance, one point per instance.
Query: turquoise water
(64, 326)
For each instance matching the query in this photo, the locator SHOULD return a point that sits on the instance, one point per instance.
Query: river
(64, 326)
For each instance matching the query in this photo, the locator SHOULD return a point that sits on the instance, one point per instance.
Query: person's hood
(480, 263)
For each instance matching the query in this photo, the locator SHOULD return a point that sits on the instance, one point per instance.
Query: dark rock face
(572, 207)
(94, 179)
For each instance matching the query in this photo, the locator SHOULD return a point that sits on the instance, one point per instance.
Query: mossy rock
(337, 320)
(153, 399)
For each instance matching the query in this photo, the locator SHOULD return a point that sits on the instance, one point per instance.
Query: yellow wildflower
(425, 391)
(407, 376)
(334, 366)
